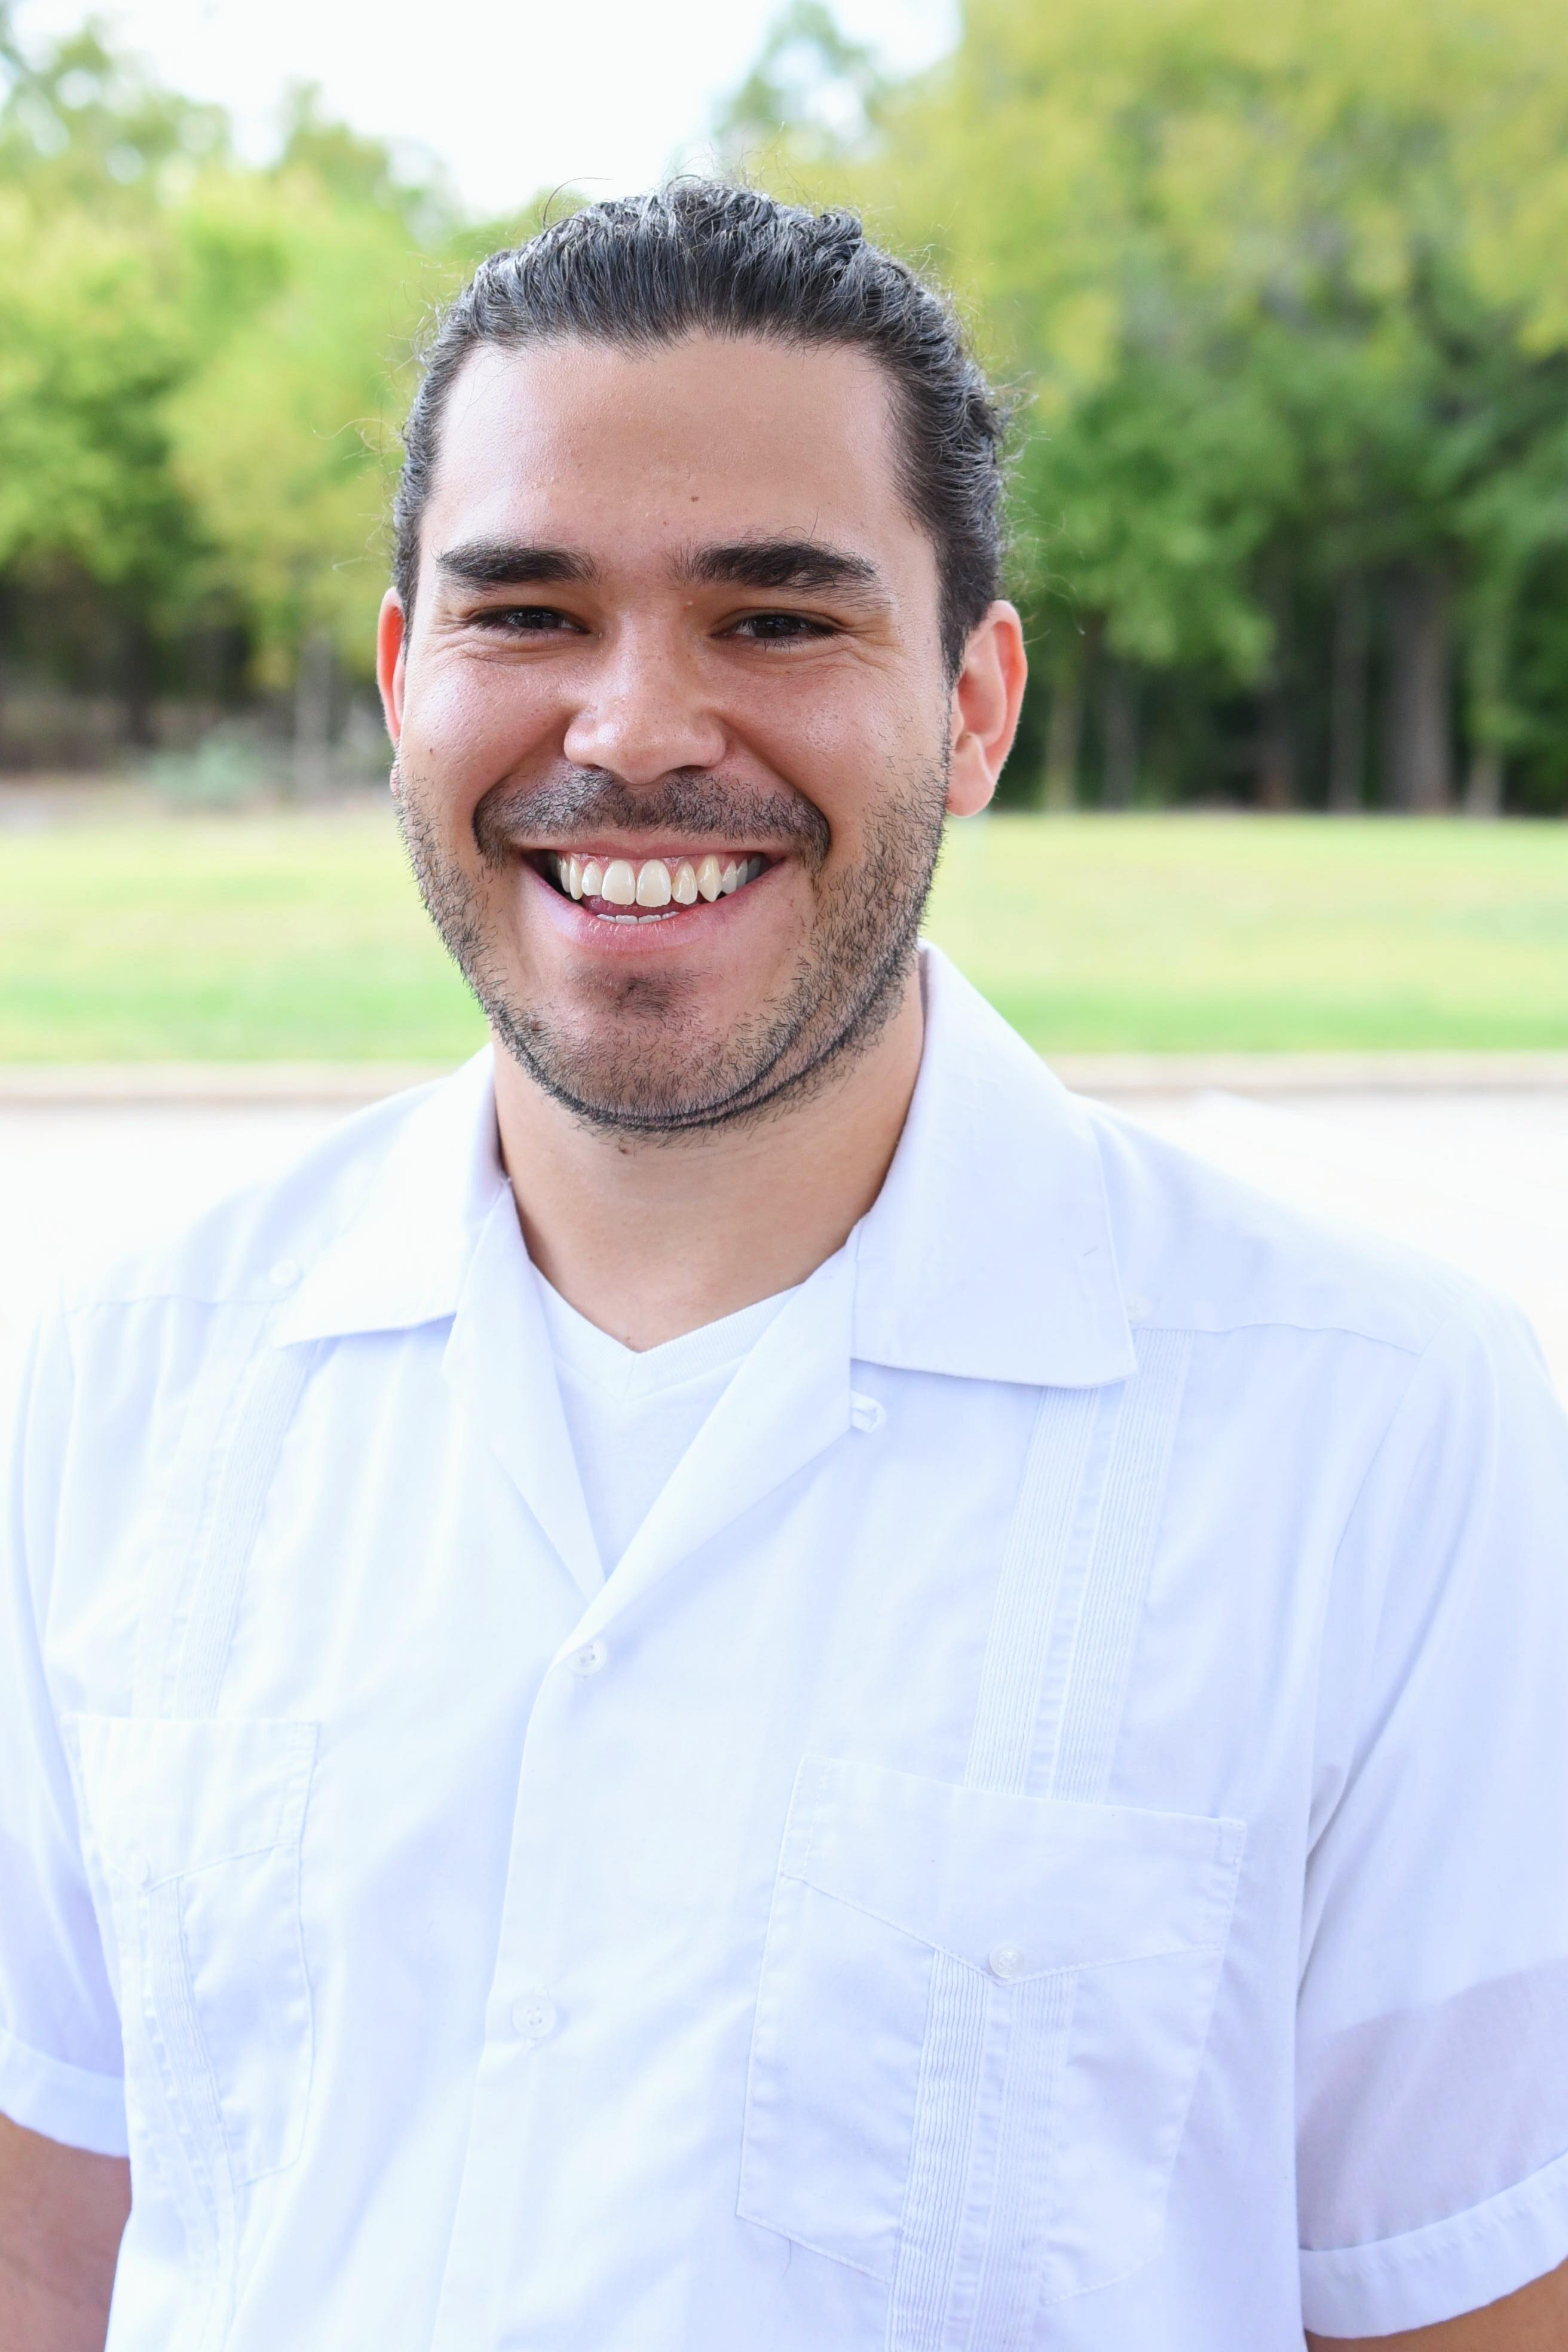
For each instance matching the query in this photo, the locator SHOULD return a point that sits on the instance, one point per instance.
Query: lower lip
(650, 934)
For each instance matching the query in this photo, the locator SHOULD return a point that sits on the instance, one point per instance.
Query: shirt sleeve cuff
(1449, 2267)
(64, 2103)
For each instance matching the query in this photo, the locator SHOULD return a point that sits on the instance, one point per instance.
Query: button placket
(526, 2014)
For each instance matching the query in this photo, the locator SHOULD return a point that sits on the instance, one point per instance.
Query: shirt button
(534, 2016)
(140, 1870)
(1007, 1962)
(285, 1272)
(588, 1659)
(867, 1413)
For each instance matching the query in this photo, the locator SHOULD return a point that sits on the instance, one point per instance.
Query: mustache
(688, 802)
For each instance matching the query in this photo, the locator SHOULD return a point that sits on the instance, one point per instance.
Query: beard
(644, 1062)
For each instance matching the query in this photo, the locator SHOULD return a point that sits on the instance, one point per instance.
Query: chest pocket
(196, 1827)
(980, 2021)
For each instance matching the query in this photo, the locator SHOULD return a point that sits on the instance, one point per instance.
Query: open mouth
(618, 890)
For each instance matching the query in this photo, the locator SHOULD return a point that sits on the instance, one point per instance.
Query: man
(744, 1680)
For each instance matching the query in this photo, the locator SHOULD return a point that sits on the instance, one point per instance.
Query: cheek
(471, 723)
(843, 747)
(856, 762)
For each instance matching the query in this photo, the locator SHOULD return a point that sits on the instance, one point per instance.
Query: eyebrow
(808, 566)
(507, 563)
(802, 563)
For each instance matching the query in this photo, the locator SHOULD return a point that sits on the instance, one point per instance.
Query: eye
(781, 628)
(525, 620)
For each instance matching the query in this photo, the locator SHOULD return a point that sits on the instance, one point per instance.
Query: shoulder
(1415, 1401)
(255, 1242)
(1201, 1250)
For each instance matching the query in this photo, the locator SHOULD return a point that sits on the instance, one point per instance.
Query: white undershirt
(632, 1416)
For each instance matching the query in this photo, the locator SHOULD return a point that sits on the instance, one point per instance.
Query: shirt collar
(401, 1258)
(988, 1254)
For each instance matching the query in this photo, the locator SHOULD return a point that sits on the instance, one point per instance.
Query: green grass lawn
(299, 937)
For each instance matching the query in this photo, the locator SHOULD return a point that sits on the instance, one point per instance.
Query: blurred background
(1281, 293)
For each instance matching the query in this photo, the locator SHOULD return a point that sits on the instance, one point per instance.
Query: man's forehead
(715, 438)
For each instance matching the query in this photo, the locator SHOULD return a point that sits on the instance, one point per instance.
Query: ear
(987, 696)
(391, 645)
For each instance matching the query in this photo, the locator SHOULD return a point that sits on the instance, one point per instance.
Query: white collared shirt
(1053, 1831)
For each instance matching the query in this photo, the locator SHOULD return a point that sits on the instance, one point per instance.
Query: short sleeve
(1433, 2022)
(60, 2029)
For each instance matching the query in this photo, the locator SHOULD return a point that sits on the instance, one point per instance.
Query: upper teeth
(656, 881)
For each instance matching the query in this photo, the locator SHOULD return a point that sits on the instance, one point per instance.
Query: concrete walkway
(1476, 1175)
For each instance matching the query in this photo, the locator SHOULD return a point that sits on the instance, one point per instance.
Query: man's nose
(644, 714)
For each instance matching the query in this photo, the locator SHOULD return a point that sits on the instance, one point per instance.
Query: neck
(651, 1239)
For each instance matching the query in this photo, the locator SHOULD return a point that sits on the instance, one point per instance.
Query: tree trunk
(6, 638)
(1419, 746)
(1276, 754)
(1064, 734)
(1483, 782)
(1119, 719)
(1347, 700)
(139, 686)
(313, 698)
(1488, 713)
(1274, 749)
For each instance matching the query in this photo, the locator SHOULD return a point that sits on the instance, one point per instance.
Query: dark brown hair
(700, 258)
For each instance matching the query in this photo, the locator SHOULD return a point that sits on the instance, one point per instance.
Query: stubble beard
(655, 1072)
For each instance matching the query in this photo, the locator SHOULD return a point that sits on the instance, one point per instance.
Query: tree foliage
(202, 370)
(1283, 292)
(1288, 289)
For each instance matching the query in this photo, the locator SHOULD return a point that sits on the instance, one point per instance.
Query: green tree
(1287, 290)
(93, 340)
(202, 370)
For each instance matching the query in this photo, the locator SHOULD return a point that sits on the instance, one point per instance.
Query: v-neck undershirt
(632, 1415)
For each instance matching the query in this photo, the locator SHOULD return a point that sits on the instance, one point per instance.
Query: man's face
(673, 719)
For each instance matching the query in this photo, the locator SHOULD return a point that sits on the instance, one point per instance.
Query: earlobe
(971, 785)
(391, 665)
(987, 696)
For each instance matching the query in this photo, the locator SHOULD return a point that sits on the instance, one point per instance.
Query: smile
(616, 891)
